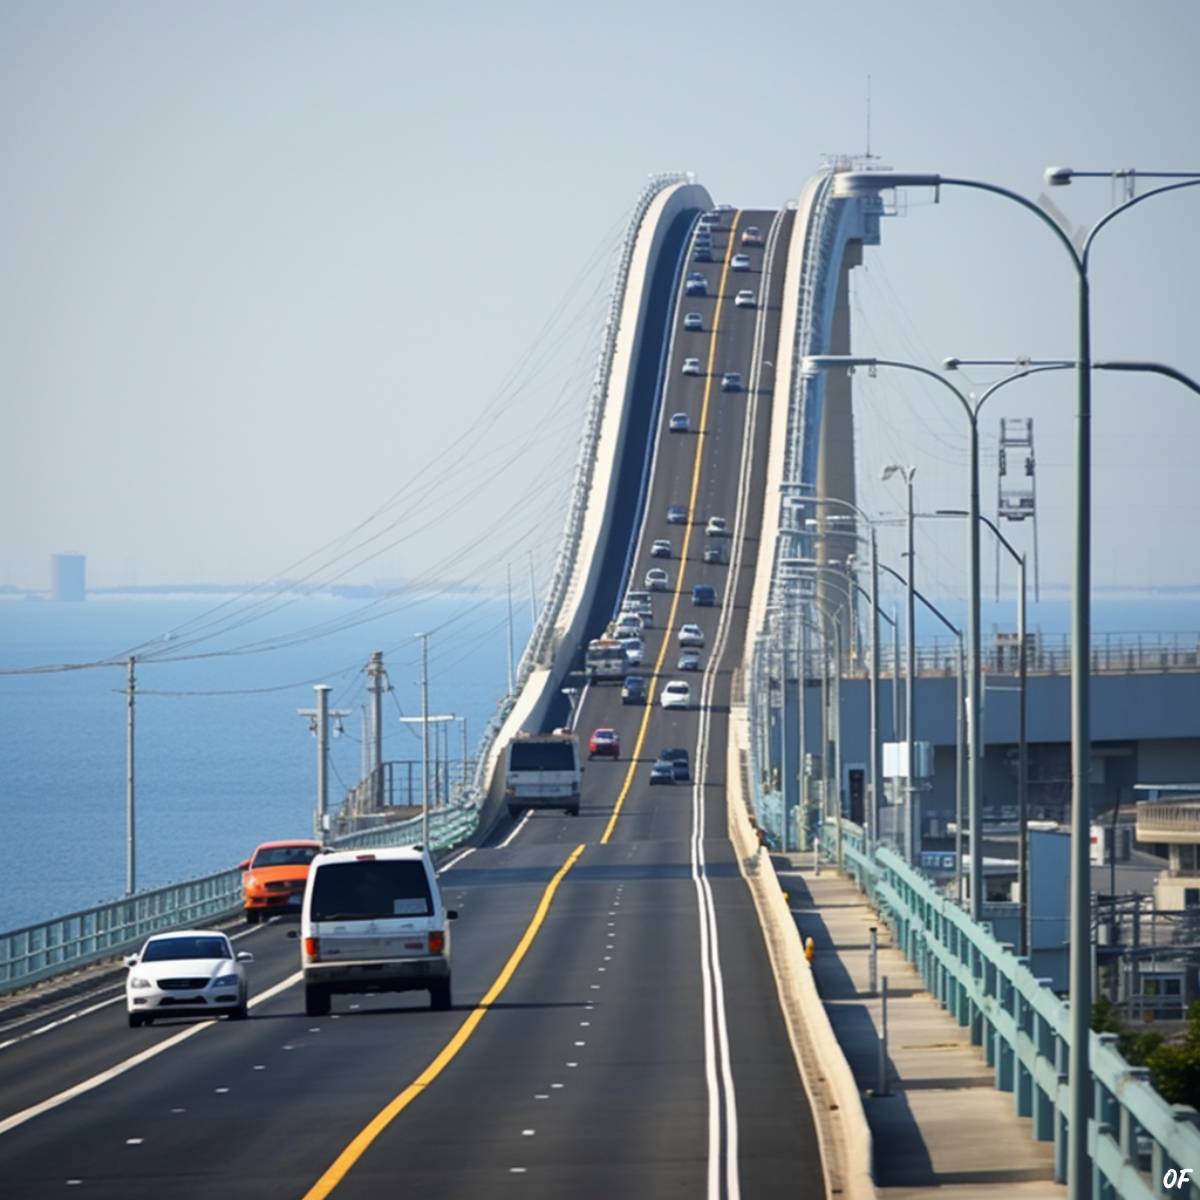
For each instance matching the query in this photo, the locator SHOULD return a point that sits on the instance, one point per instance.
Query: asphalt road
(616, 1029)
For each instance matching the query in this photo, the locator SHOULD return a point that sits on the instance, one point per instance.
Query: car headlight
(139, 981)
(250, 882)
(225, 981)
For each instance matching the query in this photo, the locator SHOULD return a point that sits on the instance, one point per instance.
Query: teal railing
(1140, 1145)
(64, 944)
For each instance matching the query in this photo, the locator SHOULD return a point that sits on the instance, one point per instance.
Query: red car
(604, 742)
(274, 877)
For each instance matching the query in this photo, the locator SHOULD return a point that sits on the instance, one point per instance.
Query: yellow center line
(687, 537)
(358, 1147)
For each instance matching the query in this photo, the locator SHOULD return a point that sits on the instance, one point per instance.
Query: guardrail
(1135, 1138)
(1050, 654)
(38, 952)
(538, 649)
(1167, 817)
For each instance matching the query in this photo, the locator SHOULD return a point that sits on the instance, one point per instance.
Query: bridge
(633, 1013)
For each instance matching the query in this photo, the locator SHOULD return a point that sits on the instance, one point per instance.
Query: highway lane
(601, 1068)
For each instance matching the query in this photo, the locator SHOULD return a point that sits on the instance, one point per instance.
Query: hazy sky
(263, 262)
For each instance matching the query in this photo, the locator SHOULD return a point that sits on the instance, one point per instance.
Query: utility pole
(425, 738)
(511, 685)
(130, 829)
(319, 724)
(376, 677)
(532, 597)
(464, 755)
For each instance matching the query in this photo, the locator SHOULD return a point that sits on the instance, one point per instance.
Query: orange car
(275, 875)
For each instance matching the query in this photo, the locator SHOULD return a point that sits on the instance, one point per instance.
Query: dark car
(704, 595)
(677, 756)
(663, 771)
(633, 690)
(677, 515)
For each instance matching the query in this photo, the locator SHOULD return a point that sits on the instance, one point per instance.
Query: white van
(373, 921)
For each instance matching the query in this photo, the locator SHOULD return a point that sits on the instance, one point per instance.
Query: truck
(542, 771)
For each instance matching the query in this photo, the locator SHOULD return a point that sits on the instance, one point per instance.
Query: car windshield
(285, 856)
(364, 890)
(168, 949)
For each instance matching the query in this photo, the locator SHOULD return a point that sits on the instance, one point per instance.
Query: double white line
(722, 1178)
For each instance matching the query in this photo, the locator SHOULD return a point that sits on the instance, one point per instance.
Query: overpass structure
(633, 1016)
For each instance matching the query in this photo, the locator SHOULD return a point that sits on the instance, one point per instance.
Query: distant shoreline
(347, 591)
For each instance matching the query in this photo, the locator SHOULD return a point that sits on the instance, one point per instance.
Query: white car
(657, 580)
(629, 624)
(660, 548)
(677, 694)
(740, 262)
(716, 527)
(680, 422)
(696, 284)
(373, 921)
(635, 650)
(691, 635)
(691, 366)
(693, 321)
(190, 972)
(744, 299)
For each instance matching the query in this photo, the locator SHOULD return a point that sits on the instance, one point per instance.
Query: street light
(857, 183)
(913, 836)
(1023, 944)
(971, 406)
(954, 629)
(876, 767)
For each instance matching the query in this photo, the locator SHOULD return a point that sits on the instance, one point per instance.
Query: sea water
(222, 758)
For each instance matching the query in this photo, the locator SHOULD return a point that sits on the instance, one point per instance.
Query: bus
(605, 659)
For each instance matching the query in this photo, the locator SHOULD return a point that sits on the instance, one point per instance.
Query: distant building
(68, 577)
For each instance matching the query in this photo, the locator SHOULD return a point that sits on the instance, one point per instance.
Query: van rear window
(541, 756)
(360, 891)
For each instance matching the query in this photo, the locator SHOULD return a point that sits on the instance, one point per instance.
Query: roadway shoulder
(842, 1129)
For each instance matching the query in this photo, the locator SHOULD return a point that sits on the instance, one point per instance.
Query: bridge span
(617, 1028)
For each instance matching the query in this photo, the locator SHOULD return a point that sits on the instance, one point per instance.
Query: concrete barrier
(842, 1129)
(541, 689)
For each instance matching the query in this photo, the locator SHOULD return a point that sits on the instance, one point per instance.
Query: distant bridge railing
(63, 944)
(1045, 654)
(539, 648)
(1134, 1136)
(1167, 820)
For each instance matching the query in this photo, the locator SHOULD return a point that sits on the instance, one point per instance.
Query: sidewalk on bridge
(942, 1125)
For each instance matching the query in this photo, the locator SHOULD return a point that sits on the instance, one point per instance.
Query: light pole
(871, 808)
(971, 406)
(958, 731)
(858, 183)
(1023, 941)
(876, 764)
(913, 835)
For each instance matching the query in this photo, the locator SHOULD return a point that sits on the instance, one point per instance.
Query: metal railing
(1134, 1136)
(1158, 819)
(1046, 654)
(63, 944)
